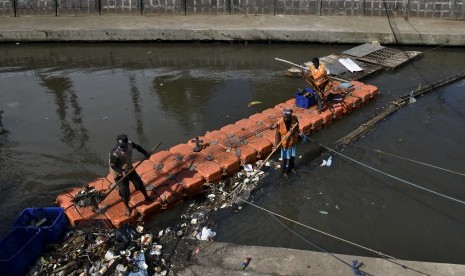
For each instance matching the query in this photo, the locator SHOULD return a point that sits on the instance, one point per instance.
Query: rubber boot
(283, 167)
(146, 196)
(290, 169)
(128, 210)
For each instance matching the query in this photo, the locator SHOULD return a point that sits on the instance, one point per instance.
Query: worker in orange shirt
(287, 131)
(319, 80)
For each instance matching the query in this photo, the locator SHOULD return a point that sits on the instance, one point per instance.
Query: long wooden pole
(271, 154)
(394, 106)
(305, 68)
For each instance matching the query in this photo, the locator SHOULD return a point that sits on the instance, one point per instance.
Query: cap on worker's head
(287, 111)
(122, 141)
(315, 60)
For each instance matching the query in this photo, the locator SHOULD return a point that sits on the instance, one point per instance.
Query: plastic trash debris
(194, 221)
(109, 255)
(146, 239)
(253, 103)
(121, 268)
(323, 212)
(328, 162)
(206, 234)
(156, 250)
(211, 196)
(139, 265)
(248, 168)
(126, 234)
(412, 99)
(356, 265)
(246, 262)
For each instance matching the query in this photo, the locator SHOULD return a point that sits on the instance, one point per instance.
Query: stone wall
(446, 9)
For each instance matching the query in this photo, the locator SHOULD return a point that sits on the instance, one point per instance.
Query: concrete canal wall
(445, 9)
(215, 258)
(229, 28)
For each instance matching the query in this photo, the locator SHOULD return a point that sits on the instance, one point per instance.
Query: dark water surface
(65, 103)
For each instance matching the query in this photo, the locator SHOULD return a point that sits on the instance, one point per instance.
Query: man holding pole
(120, 162)
(287, 133)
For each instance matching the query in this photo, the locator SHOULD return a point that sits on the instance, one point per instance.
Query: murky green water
(65, 103)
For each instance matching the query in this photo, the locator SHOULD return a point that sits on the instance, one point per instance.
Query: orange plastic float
(210, 171)
(154, 177)
(170, 193)
(212, 150)
(142, 207)
(245, 123)
(115, 214)
(247, 154)
(373, 90)
(181, 149)
(170, 175)
(260, 117)
(229, 162)
(144, 167)
(64, 200)
(174, 167)
(270, 135)
(231, 129)
(100, 184)
(273, 113)
(365, 96)
(314, 120)
(194, 158)
(261, 145)
(191, 181)
(78, 216)
(216, 136)
(162, 157)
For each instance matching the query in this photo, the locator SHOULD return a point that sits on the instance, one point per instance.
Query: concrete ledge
(326, 29)
(215, 258)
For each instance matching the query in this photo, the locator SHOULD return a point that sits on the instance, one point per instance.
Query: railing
(445, 9)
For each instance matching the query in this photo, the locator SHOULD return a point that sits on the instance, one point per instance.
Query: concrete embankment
(194, 257)
(325, 29)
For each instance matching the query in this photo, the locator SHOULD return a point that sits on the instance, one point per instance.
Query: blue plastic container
(53, 227)
(19, 250)
(305, 101)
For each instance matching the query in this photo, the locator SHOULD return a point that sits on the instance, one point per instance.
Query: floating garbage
(248, 168)
(327, 163)
(253, 103)
(412, 99)
(323, 212)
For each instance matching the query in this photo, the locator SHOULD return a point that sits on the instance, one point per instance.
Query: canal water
(64, 104)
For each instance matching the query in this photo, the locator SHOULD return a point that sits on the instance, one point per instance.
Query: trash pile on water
(134, 250)
(238, 187)
(129, 250)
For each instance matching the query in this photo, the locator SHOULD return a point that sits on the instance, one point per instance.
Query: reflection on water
(64, 104)
(74, 134)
